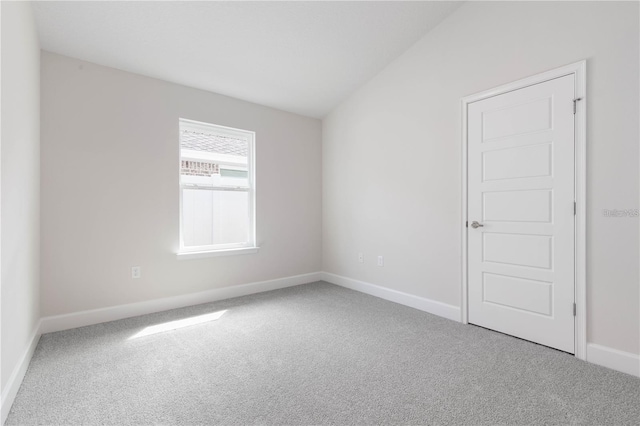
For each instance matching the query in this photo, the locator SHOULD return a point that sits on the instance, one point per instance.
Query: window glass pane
(198, 168)
(216, 179)
(211, 217)
(212, 159)
(239, 174)
(234, 177)
(215, 144)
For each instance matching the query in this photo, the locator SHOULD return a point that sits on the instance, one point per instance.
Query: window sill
(214, 253)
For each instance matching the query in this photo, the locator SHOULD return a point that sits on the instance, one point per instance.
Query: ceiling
(302, 57)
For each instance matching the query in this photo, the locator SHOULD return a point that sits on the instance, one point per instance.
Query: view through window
(216, 187)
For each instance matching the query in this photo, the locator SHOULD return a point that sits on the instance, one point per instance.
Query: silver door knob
(475, 224)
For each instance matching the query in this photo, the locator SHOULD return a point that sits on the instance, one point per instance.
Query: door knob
(475, 224)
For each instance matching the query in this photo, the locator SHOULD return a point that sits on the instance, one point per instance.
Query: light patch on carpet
(314, 354)
(174, 325)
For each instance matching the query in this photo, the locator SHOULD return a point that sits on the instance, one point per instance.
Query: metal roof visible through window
(218, 144)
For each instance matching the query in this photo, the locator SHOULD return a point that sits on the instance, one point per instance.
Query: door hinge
(575, 101)
(574, 309)
(466, 224)
(575, 208)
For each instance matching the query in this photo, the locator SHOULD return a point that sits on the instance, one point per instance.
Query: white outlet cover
(380, 261)
(136, 272)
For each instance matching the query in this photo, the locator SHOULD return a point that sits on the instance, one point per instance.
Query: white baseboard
(612, 358)
(607, 357)
(113, 313)
(601, 355)
(427, 305)
(15, 380)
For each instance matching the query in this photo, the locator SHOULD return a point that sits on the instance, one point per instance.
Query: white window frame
(194, 252)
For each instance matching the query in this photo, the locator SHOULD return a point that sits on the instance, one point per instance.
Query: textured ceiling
(303, 57)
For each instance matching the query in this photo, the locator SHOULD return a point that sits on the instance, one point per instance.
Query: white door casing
(521, 188)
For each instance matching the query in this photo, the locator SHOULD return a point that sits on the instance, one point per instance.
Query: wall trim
(614, 359)
(423, 304)
(604, 356)
(95, 316)
(17, 375)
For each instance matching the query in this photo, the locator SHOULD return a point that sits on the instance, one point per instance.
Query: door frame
(579, 70)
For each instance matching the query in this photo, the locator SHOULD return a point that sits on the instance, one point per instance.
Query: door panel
(521, 189)
(517, 206)
(531, 251)
(519, 293)
(516, 119)
(518, 162)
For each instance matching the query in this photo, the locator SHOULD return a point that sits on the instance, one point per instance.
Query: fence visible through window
(216, 185)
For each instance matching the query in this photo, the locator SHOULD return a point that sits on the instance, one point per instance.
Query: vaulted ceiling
(303, 57)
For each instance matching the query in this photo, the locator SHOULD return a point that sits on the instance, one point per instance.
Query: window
(217, 191)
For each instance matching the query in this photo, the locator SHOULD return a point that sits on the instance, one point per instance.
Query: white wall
(391, 151)
(119, 131)
(20, 177)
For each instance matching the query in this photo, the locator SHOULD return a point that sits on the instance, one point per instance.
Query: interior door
(521, 196)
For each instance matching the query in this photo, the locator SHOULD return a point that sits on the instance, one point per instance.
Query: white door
(521, 193)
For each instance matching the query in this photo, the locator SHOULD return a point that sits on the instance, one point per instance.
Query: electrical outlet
(380, 261)
(136, 272)
(360, 257)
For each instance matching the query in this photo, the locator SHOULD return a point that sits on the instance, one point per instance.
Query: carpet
(311, 354)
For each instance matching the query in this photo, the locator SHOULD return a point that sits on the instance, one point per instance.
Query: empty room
(320, 212)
